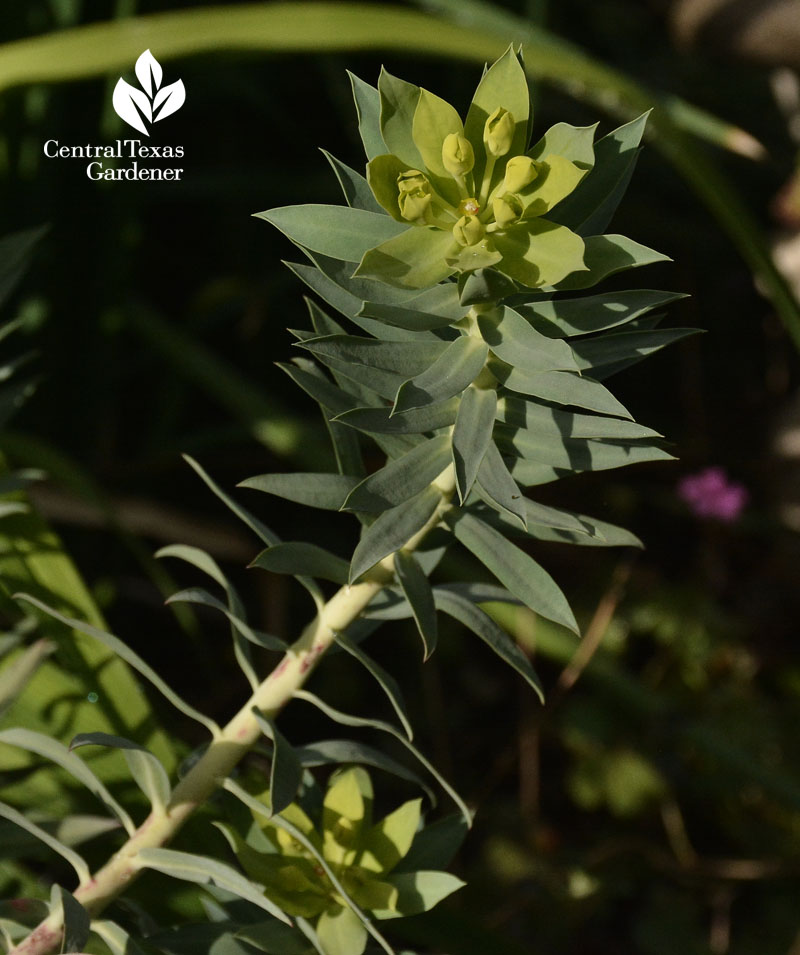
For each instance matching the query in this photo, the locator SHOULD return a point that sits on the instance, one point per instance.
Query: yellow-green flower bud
(411, 179)
(468, 230)
(498, 132)
(414, 204)
(458, 157)
(520, 172)
(507, 209)
(414, 196)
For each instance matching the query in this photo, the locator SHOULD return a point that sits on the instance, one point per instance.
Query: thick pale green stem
(233, 741)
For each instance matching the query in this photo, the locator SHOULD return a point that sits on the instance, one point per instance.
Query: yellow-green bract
(472, 194)
(324, 874)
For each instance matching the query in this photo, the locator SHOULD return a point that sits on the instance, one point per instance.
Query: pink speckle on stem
(710, 494)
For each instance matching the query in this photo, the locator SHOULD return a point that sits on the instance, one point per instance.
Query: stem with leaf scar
(234, 740)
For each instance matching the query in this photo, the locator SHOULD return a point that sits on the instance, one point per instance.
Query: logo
(153, 102)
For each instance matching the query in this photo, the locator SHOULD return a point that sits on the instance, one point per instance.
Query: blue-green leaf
(132, 659)
(417, 421)
(58, 753)
(498, 488)
(482, 625)
(299, 558)
(286, 771)
(347, 720)
(418, 593)
(72, 857)
(368, 109)
(593, 313)
(560, 387)
(457, 367)
(518, 343)
(590, 208)
(384, 679)
(621, 349)
(337, 231)
(146, 769)
(607, 254)
(472, 435)
(205, 871)
(74, 916)
(325, 491)
(515, 569)
(355, 187)
(555, 423)
(392, 530)
(401, 478)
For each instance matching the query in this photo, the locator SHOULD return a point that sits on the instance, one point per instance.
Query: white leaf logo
(138, 107)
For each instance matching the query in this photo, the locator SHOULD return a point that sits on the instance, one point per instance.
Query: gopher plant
(449, 328)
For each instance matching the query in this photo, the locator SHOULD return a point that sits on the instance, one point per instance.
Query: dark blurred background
(653, 805)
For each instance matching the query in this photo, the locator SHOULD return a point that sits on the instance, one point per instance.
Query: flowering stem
(234, 740)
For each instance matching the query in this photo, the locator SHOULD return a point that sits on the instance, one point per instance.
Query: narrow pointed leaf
(515, 569)
(146, 769)
(300, 558)
(77, 863)
(482, 625)
(499, 489)
(517, 342)
(418, 421)
(368, 109)
(392, 530)
(347, 720)
(401, 478)
(286, 772)
(385, 680)
(592, 205)
(325, 491)
(606, 535)
(337, 231)
(553, 422)
(355, 187)
(593, 458)
(205, 871)
(259, 529)
(456, 368)
(472, 435)
(132, 659)
(58, 753)
(75, 918)
(561, 387)
(398, 357)
(418, 593)
(625, 347)
(343, 751)
(197, 595)
(604, 256)
(115, 937)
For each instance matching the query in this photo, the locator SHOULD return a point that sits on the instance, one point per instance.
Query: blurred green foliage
(654, 807)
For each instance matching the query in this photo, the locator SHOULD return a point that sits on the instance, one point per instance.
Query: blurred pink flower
(709, 493)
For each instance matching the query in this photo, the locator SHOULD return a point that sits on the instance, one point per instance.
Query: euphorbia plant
(478, 373)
